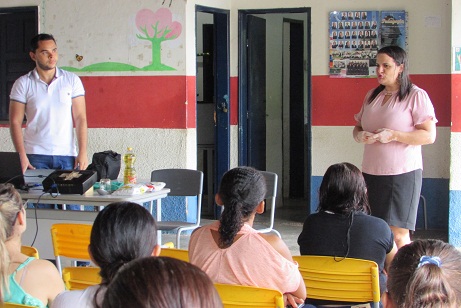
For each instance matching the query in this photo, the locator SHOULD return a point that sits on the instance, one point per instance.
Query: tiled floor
(289, 221)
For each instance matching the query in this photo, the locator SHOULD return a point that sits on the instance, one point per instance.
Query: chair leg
(178, 239)
(276, 232)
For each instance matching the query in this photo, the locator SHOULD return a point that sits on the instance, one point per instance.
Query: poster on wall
(355, 37)
(457, 59)
(393, 29)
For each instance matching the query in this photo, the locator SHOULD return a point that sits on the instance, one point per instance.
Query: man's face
(46, 55)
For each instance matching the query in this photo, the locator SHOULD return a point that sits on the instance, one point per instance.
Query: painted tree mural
(157, 27)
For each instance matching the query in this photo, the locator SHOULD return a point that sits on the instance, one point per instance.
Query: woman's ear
(387, 301)
(260, 207)
(156, 251)
(218, 200)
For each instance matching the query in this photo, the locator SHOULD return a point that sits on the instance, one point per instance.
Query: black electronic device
(69, 181)
(11, 170)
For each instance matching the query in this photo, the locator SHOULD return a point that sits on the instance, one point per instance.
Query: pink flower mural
(157, 27)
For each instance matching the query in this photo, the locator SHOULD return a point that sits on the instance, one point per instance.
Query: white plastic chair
(271, 195)
(181, 182)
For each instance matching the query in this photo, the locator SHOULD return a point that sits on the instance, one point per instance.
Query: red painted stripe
(456, 103)
(137, 101)
(234, 99)
(336, 100)
(191, 102)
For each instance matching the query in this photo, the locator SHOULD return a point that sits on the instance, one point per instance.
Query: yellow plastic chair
(350, 280)
(30, 251)
(13, 305)
(79, 278)
(70, 241)
(181, 254)
(236, 296)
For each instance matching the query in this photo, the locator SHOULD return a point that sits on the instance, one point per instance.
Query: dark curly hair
(241, 190)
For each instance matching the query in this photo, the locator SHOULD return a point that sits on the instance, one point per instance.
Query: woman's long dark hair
(400, 57)
(161, 282)
(122, 232)
(343, 190)
(241, 190)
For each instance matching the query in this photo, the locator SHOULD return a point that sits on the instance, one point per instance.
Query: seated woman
(122, 232)
(424, 273)
(342, 227)
(161, 282)
(23, 280)
(226, 249)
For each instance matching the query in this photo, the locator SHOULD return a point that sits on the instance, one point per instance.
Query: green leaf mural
(154, 27)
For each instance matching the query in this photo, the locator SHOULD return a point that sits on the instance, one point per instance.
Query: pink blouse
(250, 260)
(394, 157)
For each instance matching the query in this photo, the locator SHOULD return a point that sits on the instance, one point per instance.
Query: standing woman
(396, 118)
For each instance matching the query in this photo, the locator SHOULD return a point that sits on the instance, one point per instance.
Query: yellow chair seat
(345, 280)
(236, 296)
(79, 278)
(181, 254)
(13, 305)
(30, 251)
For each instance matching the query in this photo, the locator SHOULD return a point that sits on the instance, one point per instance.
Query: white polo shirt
(50, 128)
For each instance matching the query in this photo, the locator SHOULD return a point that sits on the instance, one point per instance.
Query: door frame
(221, 60)
(243, 88)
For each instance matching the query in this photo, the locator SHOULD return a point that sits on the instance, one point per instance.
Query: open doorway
(274, 98)
(212, 82)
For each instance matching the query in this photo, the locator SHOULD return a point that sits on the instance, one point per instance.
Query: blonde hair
(10, 205)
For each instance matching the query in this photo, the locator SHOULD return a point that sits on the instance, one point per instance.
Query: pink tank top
(251, 260)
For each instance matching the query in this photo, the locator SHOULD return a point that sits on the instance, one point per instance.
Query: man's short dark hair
(40, 37)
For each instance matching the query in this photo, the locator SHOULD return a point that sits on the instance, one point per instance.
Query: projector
(69, 181)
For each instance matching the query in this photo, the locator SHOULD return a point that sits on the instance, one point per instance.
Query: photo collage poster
(355, 37)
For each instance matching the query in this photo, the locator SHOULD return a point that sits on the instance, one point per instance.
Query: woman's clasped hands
(383, 135)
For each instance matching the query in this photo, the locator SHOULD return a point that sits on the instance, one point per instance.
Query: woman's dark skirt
(395, 198)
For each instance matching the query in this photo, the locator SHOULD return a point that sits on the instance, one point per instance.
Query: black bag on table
(107, 164)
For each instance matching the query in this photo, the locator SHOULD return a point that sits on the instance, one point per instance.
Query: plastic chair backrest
(181, 254)
(30, 251)
(71, 241)
(234, 296)
(79, 278)
(13, 305)
(181, 182)
(348, 280)
(271, 195)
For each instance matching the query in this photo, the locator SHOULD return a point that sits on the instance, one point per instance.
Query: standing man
(53, 101)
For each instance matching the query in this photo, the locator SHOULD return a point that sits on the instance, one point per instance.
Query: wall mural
(154, 27)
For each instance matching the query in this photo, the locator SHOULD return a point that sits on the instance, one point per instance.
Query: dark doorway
(256, 103)
(296, 109)
(17, 27)
(274, 99)
(213, 128)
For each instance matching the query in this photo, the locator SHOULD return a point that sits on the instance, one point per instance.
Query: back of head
(10, 205)
(161, 282)
(40, 37)
(241, 190)
(122, 232)
(343, 190)
(426, 273)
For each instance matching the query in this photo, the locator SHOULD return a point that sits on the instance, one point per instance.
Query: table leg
(159, 218)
